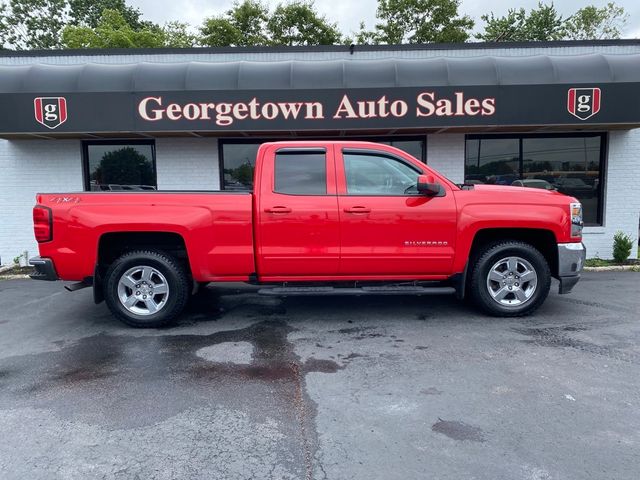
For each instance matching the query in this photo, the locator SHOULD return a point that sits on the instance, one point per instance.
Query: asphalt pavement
(250, 387)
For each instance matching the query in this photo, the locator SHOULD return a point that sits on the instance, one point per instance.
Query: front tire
(146, 288)
(510, 279)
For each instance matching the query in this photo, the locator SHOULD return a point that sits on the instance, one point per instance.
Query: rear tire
(509, 279)
(146, 288)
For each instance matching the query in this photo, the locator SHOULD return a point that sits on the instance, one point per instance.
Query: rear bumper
(44, 269)
(571, 257)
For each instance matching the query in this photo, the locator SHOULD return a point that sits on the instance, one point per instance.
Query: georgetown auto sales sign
(224, 114)
(320, 109)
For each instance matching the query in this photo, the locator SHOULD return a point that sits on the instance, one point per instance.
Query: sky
(349, 13)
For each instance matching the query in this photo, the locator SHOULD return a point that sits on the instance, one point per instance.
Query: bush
(622, 244)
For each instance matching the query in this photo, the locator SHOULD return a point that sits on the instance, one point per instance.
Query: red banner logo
(50, 111)
(584, 103)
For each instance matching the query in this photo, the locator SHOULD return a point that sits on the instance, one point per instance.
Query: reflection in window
(120, 167)
(495, 161)
(239, 160)
(299, 173)
(368, 174)
(570, 164)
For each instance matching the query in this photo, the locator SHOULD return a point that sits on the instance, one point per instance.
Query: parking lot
(324, 388)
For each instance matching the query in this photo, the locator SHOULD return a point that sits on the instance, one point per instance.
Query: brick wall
(28, 167)
(445, 153)
(187, 164)
(622, 198)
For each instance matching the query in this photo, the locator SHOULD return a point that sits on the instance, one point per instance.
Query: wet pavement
(321, 388)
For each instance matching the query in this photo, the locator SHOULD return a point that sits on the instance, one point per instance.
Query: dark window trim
(302, 150)
(604, 149)
(379, 153)
(363, 138)
(86, 180)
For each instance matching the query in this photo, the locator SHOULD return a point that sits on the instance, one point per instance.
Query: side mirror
(427, 185)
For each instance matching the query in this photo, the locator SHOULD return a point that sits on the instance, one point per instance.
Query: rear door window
(301, 173)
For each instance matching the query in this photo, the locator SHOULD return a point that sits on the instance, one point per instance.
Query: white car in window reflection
(533, 183)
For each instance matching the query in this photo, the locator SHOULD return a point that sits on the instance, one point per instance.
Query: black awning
(319, 95)
(296, 74)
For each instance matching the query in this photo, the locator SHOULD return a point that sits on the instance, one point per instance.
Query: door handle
(357, 209)
(278, 209)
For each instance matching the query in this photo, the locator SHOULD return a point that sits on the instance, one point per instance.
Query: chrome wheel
(143, 290)
(512, 281)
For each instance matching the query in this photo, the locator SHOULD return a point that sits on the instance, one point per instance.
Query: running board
(373, 290)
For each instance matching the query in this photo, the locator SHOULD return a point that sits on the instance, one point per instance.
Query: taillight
(42, 223)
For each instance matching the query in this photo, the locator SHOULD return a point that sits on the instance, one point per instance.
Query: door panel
(386, 229)
(298, 224)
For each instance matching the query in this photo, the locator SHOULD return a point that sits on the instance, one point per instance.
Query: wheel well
(113, 245)
(543, 240)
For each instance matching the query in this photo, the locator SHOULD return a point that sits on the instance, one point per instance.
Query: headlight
(576, 219)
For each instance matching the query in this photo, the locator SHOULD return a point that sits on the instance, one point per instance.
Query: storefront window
(238, 160)
(238, 157)
(568, 163)
(126, 166)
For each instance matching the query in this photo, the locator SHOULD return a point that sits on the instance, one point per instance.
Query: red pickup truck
(325, 217)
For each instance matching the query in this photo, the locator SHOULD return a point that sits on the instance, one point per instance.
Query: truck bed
(216, 227)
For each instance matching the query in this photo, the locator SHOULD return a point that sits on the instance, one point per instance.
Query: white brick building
(596, 162)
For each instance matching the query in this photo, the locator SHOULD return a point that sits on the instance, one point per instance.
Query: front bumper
(44, 269)
(571, 257)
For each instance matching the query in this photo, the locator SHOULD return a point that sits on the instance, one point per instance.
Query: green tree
(219, 32)
(177, 35)
(250, 23)
(32, 24)
(592, 22)
(417, 21)
(245, 24)
(38, 24)
(89, 12)
(540, 24)
(298, 23)
(125, 166)
(112, 31)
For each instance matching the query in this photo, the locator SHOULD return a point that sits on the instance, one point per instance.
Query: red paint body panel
(375, 242)
(216, 228)
(232, 236)
(305, 240)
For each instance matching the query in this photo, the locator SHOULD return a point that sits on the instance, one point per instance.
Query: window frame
(86, 174)
(359, 138)
(604, 146)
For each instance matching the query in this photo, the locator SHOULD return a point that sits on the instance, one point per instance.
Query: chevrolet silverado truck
(324, 218)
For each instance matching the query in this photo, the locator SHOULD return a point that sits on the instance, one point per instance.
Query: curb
(614, 268)
(13, 277)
